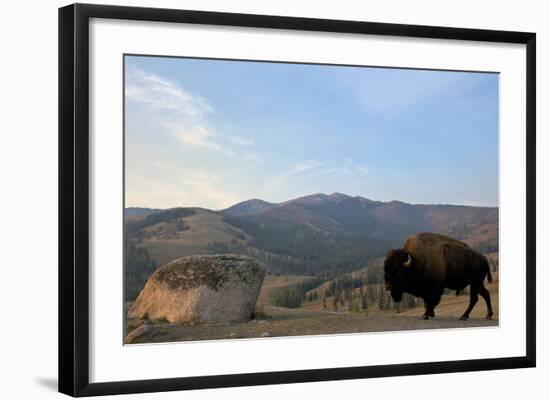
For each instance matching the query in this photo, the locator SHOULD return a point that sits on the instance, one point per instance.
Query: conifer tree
(364, 304)
(381, 298)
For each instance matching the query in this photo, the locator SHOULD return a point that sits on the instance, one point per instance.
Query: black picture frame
(74, 198)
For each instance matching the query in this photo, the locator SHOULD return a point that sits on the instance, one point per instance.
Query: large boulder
(203, 288)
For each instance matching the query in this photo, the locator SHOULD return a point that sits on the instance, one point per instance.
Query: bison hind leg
(473, 301)
(485, 294)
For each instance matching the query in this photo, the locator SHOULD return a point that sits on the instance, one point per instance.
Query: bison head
(396, 268)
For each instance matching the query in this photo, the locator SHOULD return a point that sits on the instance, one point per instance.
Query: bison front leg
(428, 311)
(430, 303)
(473, 300)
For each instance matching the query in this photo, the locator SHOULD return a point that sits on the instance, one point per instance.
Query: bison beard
(429, 263)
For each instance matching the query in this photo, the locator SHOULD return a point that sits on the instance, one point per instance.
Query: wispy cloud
(185, 116)
(339, 170)
(197, 135)
(163, 94)
(305, 165)
(347, 167)
(241, 141)
(258, 146)
(168, 186)
(363, 170)
(274, 183)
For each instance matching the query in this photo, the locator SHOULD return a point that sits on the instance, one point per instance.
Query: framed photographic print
(297, 199)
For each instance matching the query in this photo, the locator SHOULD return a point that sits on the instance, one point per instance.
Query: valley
(314, 319)
(323, 255)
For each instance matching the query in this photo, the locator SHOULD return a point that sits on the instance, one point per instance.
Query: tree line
(133, 227)
(138, 266)
(294, 296)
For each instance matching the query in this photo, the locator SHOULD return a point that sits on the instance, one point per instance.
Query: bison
(429, 263)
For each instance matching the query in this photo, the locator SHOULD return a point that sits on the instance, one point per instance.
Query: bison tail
(488, 269)
(489, 276)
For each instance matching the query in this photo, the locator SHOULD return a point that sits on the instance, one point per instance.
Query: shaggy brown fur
(436, 262)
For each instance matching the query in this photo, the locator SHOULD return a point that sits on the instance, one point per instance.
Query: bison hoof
(489, 317)
(464, 318)
(425, 317)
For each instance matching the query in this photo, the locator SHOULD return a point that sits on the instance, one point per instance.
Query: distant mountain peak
(335, 197)
(365, 200)
(255, 201)
(250, 206)
(311, 232)
(397, 202)
(338, 196)
(312, 199)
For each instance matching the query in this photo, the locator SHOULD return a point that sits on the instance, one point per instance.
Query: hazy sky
(212, 133)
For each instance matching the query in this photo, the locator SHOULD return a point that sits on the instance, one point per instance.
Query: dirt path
(290, 322)
(312, 319)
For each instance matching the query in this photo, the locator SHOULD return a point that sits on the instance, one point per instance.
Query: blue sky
(211, 133)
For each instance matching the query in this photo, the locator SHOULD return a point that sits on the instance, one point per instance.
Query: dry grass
(313, 319)
(273, 284)
(298, 322)
(204, 227)
(453, 306)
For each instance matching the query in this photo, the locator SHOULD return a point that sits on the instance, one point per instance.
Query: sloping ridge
(313, 232)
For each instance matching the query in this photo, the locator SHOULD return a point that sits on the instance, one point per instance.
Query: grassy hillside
(274, 284)
(200, 229)
(310, 235)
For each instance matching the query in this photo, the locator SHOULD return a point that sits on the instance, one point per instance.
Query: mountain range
(306, 235)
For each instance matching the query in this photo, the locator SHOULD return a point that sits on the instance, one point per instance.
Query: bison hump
(432, 240)
(435, 254)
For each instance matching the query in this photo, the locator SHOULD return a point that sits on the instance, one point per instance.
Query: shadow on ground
(48, 382)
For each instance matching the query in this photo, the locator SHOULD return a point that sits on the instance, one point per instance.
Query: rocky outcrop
(143, 334)
(204, 288)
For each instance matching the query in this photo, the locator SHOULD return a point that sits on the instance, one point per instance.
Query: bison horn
(408, 262)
